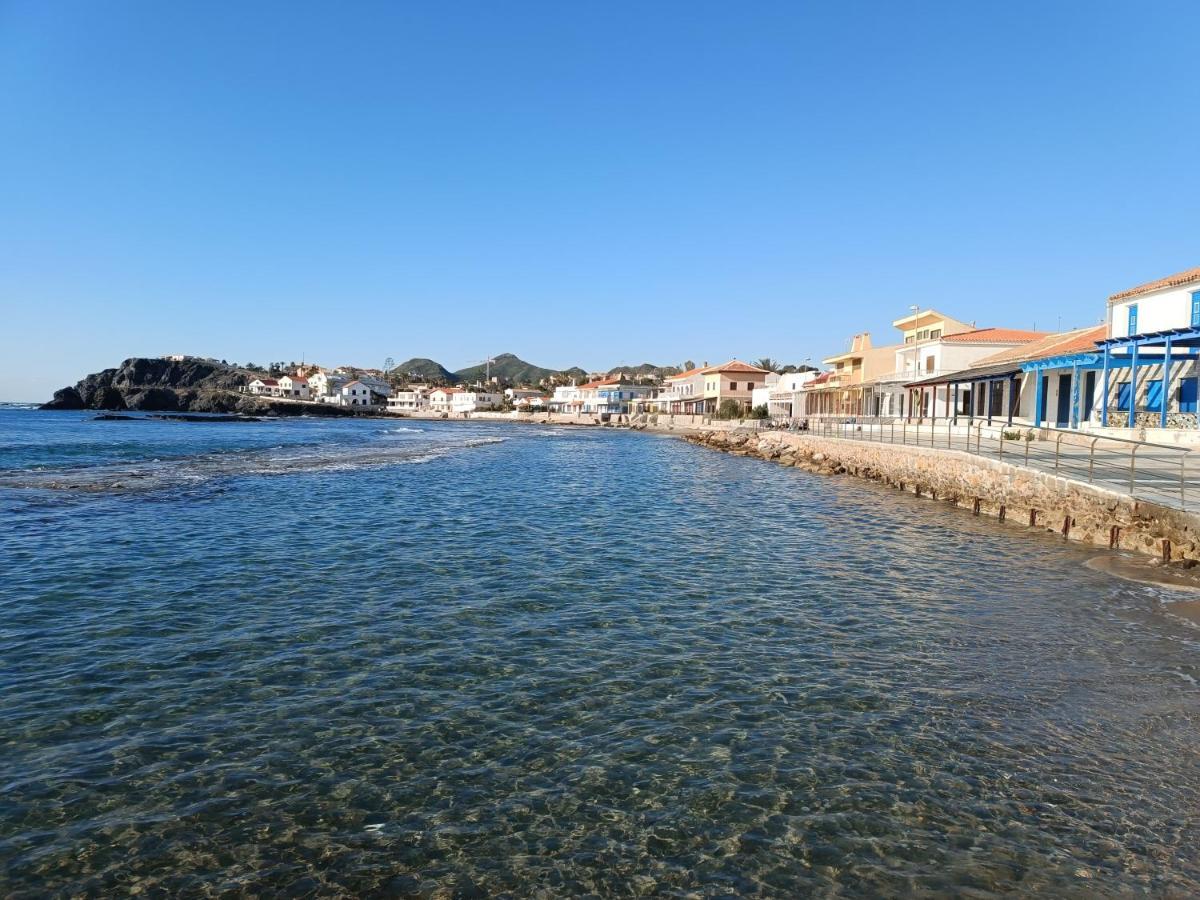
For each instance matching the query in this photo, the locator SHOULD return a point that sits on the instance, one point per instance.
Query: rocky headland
(189, 386)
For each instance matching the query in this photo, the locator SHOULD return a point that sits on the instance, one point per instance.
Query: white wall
(1157, 310)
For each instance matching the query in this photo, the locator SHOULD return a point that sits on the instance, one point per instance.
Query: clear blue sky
(578, 183)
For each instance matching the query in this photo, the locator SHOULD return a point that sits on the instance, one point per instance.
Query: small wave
(402, 430)
(479, 442)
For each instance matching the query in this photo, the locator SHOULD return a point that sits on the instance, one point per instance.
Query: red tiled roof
(688, 374)
(268, 382)
(995, 336)
(1078, 340)
(736, 365)
(1170, 281)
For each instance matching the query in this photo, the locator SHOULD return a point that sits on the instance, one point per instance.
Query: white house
(566, 399)
(439, 398)
(376, 384)
(786, 399)
(264, 387)
(414, 398)
(295, 387)
(355, 393)
(1171, 302)
(325, 384)
(682, 393)
(473, 401)
(761, 396)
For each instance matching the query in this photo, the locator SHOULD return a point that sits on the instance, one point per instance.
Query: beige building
(846, 392)
(735, 380)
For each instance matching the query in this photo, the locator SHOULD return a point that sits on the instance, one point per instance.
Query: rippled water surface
(324, 657)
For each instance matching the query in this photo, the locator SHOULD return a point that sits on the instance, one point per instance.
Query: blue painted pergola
(1186, 340)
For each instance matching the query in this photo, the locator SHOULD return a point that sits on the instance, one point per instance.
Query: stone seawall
(1011, 494)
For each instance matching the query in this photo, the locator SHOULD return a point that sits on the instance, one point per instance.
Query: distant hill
(646, 369)
(419, 368)
(507, 367)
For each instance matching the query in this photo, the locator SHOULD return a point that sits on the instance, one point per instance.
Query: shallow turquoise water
(475, 659)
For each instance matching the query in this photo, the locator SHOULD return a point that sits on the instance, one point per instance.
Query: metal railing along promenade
(1156, 473)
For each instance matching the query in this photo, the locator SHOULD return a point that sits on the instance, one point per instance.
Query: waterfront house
(682, 393)
(735, 381)
(1019, 384)
(1149, 364)
(357, 393)
(787, 398)
(377, 384)
(440, 398)
(845, 391)
(943, 355)
(473, 400)
(325, 384)
(616, 396)
(264, 387)
(410, 399)
(294, 387)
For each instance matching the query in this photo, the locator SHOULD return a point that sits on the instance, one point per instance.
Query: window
(733, 385)
(1133, 326)
(1196, 309)
(1187, 395)
(935, 333)
(1154, 396)
(1123, 395)
(929, 364)
(908, 339)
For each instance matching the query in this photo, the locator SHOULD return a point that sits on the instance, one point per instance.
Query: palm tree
(769, 364)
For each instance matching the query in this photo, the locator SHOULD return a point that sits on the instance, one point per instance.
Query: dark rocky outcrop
(191, 385)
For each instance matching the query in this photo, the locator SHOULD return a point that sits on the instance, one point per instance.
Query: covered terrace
(1136, 351)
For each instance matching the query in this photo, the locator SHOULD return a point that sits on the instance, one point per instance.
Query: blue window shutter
(1133, 326)
(1187, 395)
(1123, 396)
(1154, 396)
(1196, 309)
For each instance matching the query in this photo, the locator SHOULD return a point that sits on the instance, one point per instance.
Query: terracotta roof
(600, 383)
(267, 382)
(688, 374)
(820, 379)
(1078, 340)
(296, 378)
(994, 336)
(1170, 281)
(736, 365)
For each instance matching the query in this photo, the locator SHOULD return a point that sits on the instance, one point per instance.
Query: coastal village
(1133, 372)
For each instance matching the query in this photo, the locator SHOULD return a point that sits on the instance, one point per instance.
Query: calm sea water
(447, 659)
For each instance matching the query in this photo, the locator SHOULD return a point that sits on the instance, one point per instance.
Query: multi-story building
(735, 381)
(410, 399)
